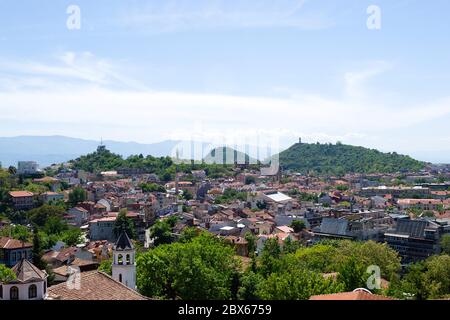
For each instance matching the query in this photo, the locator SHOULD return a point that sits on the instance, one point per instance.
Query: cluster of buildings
(78, 282)
(411, 219)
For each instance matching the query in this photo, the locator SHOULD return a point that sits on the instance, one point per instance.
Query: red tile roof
(94, 285)
(355, 295)
(20, 194)
(9, 243)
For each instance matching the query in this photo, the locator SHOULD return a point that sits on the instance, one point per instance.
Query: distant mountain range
(47, 150)
(301, 157)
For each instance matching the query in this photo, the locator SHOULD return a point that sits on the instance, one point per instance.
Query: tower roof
(123, 242)
(27, 272)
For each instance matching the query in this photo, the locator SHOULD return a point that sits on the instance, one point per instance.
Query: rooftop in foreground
(94, 285)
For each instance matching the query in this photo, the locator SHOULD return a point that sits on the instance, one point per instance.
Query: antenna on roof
(101, 147)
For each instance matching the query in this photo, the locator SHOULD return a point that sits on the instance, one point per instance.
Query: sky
(230, 70)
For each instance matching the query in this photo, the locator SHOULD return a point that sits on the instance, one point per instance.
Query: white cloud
(71, 68)
(80, 96)
(355, 81)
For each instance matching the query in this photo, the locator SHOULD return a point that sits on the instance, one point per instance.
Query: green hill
(341, 159)
(226, 155)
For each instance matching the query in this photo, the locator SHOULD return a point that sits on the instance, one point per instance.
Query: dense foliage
(230, 195)
(340, 159)
(151, 187)
(124, 223)
(163, 167)
(49, 226)
(77, 195)
(429, 279)
(105, 160)
(202, 268)
(106, 266)
(6, 274)
(161, 231)
(445, 244)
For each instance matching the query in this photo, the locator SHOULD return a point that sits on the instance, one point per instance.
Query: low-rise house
(102, 229)
(100, 250)
(50, 181)
(277, 201)
(22, 200)
(51, 196)
(80, 215)
(56, 259)
(12, 251)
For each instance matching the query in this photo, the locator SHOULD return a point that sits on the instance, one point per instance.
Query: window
(120, 278)
(120, 259)
(32, 291)
(128, 259)
(1, 291)
(14, 293)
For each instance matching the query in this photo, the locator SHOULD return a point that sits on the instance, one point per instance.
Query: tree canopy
(340, 159)
(124, 223)
(77, 195)
(6, 274)
(202, 268)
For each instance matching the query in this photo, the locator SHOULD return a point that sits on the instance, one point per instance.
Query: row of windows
(14, 292)
(19, 255)
(15, 256)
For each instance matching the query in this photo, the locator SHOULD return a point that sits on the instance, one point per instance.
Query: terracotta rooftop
(104, 219)
(9, 243)
(94, 285)
(20, 194)
(355, 295)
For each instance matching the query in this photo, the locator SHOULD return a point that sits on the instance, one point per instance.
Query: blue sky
(152, 70)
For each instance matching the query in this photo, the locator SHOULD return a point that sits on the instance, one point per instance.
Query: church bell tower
(124, 262)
